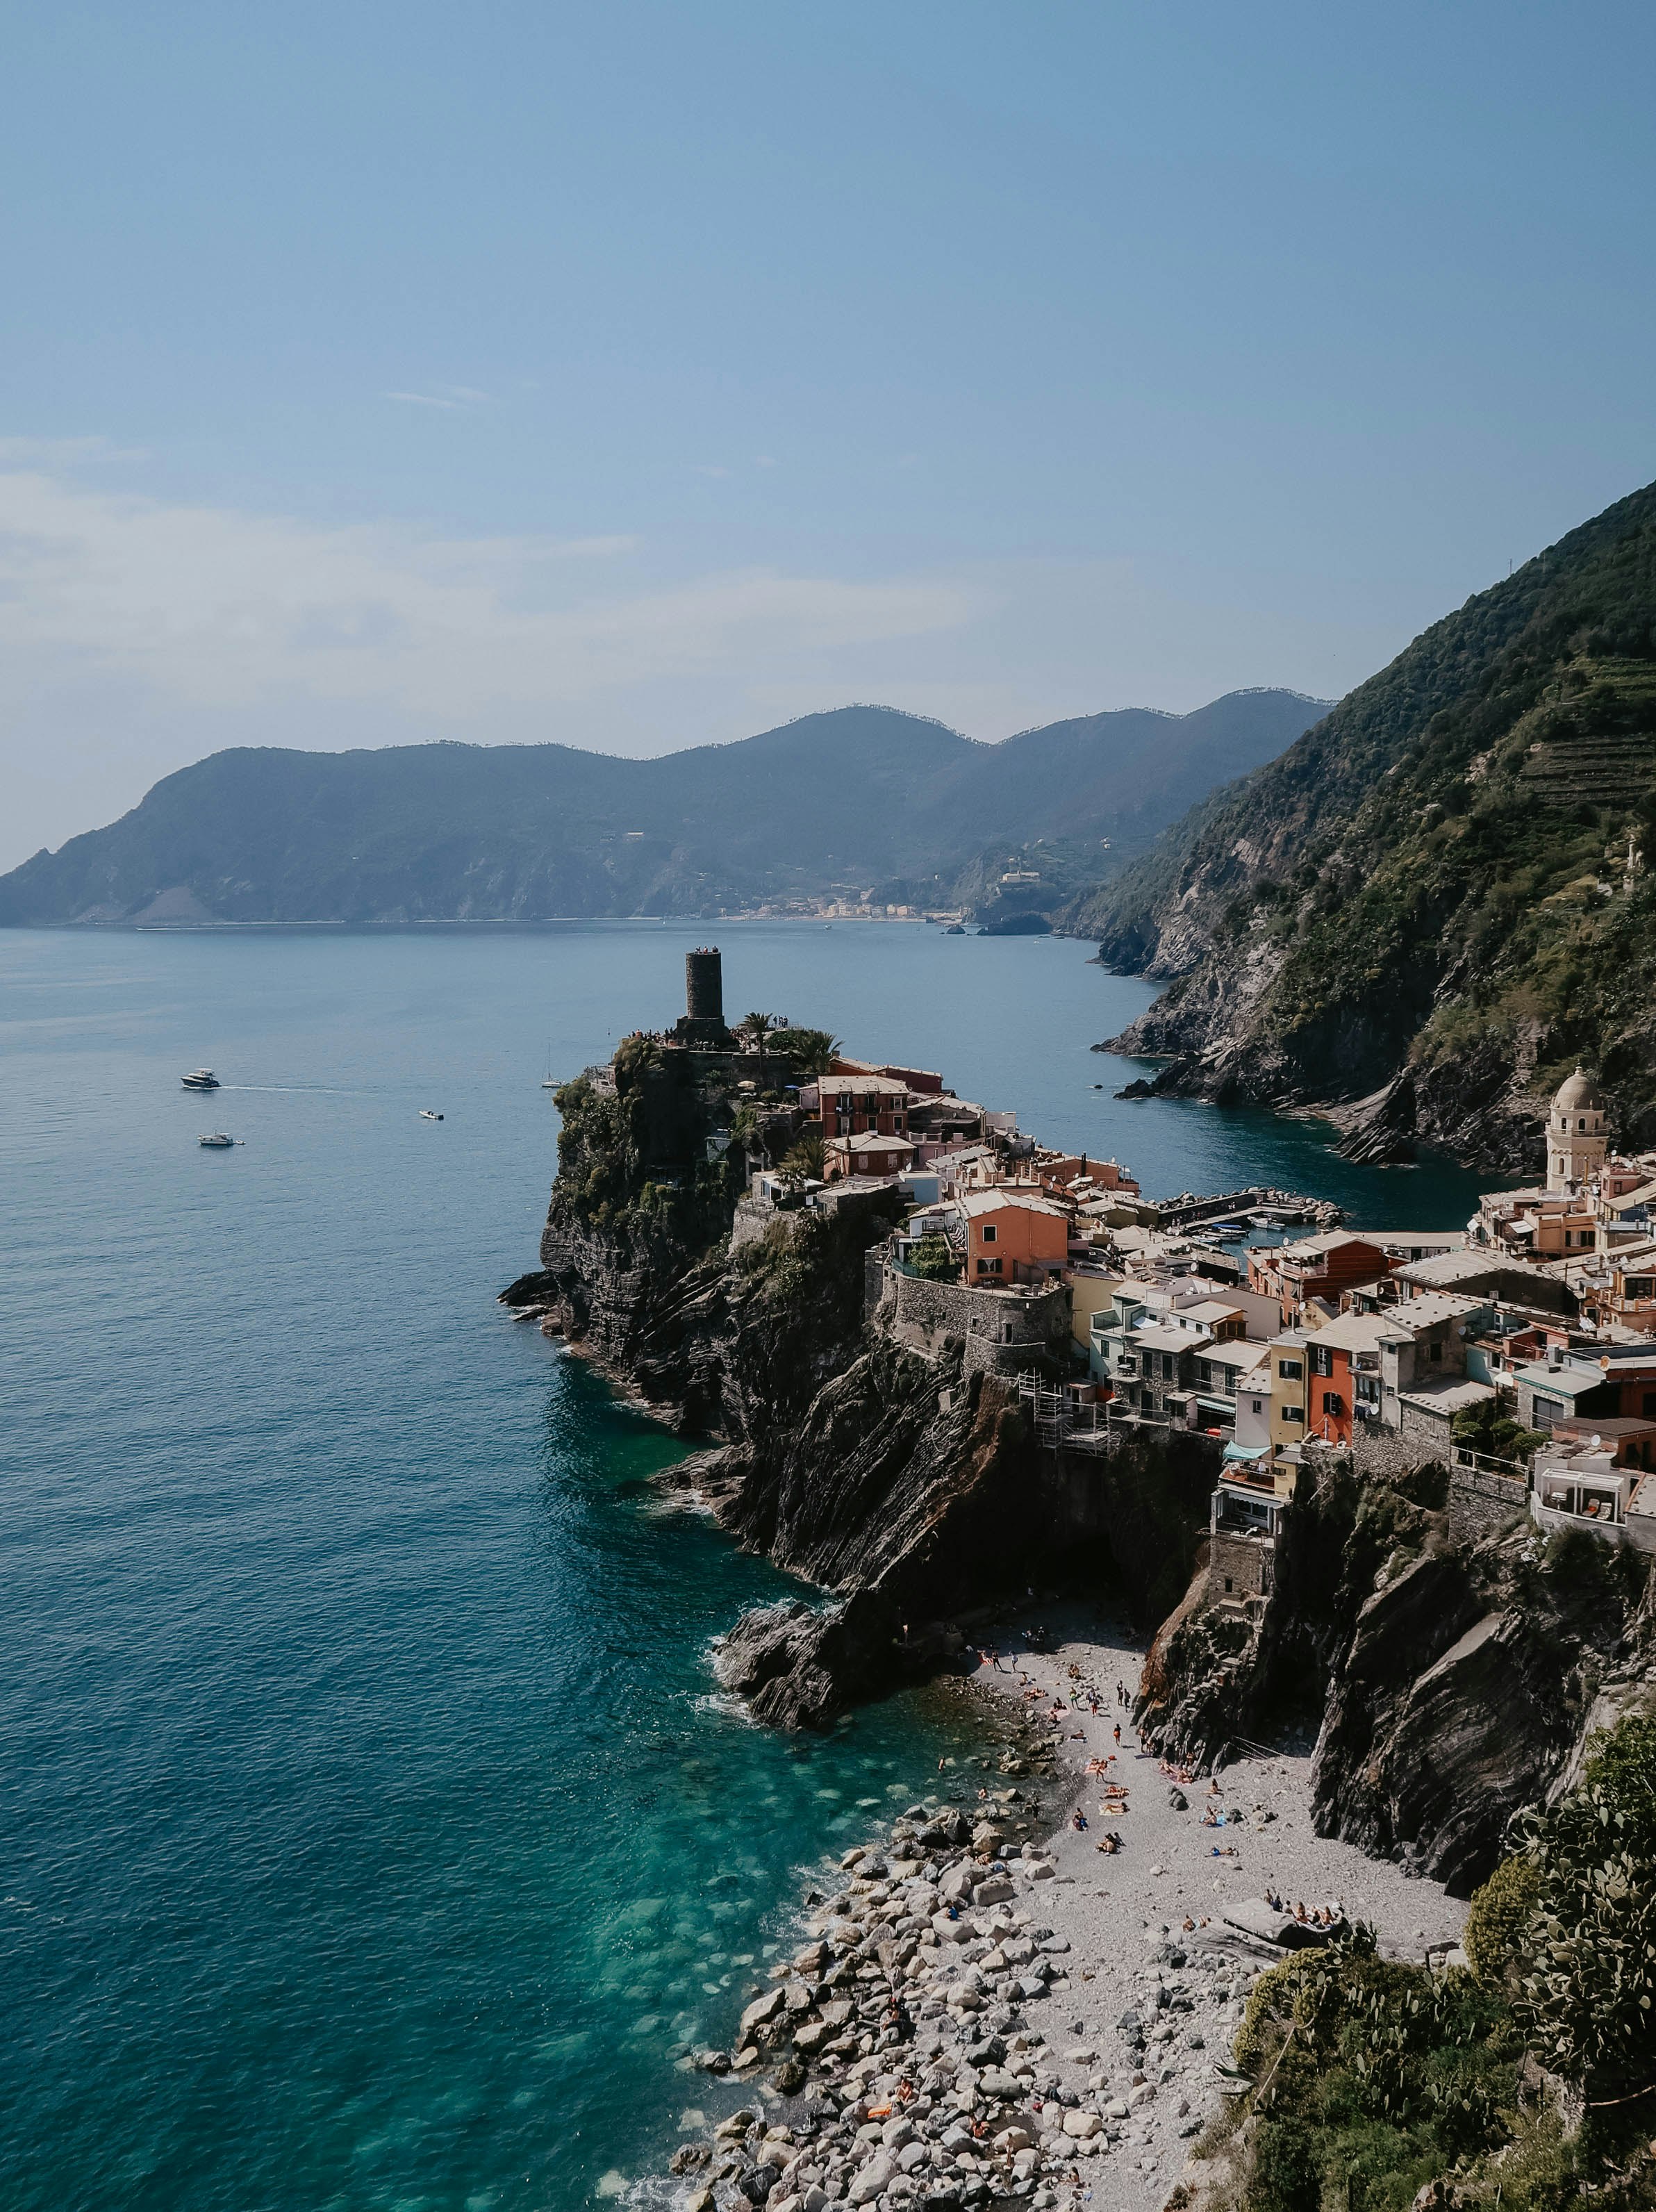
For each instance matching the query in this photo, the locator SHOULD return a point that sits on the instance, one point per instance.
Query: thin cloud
(65, 453)
(213, 607)
(450, 398)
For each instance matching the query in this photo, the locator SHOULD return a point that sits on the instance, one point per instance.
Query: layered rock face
(1452, 1680)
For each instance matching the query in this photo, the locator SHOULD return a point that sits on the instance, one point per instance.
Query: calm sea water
(371, 1834)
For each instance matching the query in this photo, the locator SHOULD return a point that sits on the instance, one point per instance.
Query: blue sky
(639, 375)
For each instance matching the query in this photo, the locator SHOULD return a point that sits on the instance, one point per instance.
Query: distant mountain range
(1442, 895)
(860, 802)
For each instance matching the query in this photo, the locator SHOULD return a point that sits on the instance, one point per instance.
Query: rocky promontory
(901, 1481)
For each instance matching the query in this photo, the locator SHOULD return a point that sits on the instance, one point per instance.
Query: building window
(1291, 1370)
(1229, 1584)
(1650, 1405)
(989, 1266)
(1322, 1359)
(1293, 1412)
(987, 1233)
(1434, 1352)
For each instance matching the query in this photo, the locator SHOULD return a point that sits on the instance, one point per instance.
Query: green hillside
(1438, 898)
(862, 802)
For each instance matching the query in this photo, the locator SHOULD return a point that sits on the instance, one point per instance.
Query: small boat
(201, 1078)
(426, 1114)
(548, 1083)
(218, 1142)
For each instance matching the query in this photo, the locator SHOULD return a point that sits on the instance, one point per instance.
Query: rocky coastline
(983, 2007)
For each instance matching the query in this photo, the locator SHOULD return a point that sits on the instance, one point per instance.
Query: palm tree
(816, 1053)
(757, 1027)
(806, 1156)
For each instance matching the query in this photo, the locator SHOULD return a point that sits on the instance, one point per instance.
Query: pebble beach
(983, 2003)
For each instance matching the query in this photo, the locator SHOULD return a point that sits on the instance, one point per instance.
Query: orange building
(870, 1154)
(1315, 1267)
(852, 1105)
(923, 1079)
(1013, 1236)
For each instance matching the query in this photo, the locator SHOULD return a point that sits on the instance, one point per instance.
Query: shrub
(1586, 1996)
(934, 1259)
(1497, 1918)
(1284, 2169)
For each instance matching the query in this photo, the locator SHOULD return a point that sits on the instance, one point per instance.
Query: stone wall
(1239, 1566)
(1002, 1332)
(1427, 1432)
(754, 1216)
(1480, 1503)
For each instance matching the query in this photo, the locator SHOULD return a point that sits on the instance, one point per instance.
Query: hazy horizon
(637, 379)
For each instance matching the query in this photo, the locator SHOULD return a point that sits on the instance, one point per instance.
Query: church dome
(1578, 1094)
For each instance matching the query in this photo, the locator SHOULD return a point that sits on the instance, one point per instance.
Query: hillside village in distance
(1518, 1348)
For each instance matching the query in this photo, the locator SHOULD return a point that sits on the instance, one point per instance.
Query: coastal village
(1519, 1347)
(983, 2008)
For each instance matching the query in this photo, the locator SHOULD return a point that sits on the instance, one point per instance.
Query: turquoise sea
(371, 1834)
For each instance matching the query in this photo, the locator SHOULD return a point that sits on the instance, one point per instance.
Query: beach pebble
(871, 2180)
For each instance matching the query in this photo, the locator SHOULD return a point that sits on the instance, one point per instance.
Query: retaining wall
(1000, 1330)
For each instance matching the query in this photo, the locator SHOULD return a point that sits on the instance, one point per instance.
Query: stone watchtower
(702, 1022)
(1575, 1135)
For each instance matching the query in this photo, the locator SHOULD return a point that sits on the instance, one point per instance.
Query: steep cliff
(1451, 1679)
(1437, 900)
(906, 1489)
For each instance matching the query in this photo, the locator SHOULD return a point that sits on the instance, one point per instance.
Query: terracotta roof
(1001, 1196)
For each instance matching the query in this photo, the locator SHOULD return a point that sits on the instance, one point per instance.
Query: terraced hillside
(1441, 897)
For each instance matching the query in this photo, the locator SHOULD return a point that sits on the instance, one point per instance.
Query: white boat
(201, 1078)
(426, 1114)
(218, 1142)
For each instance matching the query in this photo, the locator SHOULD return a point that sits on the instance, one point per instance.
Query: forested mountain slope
(1438, 898)
(861, 798)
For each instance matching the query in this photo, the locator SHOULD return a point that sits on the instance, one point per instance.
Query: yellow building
(1288, 1386)
(1091, 1290)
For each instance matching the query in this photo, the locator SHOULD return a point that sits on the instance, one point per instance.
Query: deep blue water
(370, 1833)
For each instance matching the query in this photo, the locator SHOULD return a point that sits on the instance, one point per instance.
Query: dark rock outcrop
(1451, 1681)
